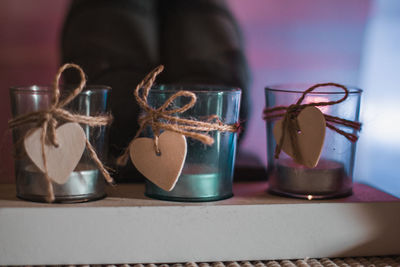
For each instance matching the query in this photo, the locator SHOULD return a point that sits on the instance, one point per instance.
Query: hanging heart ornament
(61, 160)
(164, 168)
(310, 136)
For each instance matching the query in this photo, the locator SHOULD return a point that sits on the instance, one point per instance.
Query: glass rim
(48, 88)
(292, 88)
(195, 88)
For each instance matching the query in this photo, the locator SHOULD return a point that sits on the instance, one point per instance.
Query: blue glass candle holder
(207, 174)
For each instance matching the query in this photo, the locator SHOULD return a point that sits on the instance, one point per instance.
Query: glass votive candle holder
(85, 183)
(207, 173)
(333, 175)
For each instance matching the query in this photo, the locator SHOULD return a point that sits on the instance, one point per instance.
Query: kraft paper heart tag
(310, 138)
(61, 160)
(164, 169)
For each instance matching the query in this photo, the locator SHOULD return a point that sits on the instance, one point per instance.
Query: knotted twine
(161, 118)
(48, 120)
(290, 124)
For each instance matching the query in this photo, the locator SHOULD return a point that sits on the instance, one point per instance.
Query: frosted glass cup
(207, 173)
(85, 183)
(333, 176)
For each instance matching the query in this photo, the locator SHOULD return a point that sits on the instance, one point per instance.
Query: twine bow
(48, 120)
(291, 126)
(161, 118)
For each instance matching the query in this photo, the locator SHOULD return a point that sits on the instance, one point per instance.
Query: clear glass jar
(85, 182)
(333, 176)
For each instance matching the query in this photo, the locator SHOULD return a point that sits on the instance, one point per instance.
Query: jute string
(48, 120)
(290, 124)
(161, 118)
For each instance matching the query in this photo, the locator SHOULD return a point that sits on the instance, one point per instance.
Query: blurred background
(354, 42)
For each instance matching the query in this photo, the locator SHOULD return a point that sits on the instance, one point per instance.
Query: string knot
(293, 109)
(48, 116)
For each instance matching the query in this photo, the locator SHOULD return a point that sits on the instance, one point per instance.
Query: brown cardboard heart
(164, 169)
(310, 138)
(61, 160)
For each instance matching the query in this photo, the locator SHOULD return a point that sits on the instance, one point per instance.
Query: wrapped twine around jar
(290, 124)
(162, 118)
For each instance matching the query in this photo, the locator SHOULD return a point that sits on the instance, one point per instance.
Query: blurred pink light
(316, 99)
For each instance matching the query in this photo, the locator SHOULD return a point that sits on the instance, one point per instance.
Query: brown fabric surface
(387, 261)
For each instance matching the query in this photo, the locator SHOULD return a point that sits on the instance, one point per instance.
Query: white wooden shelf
(127, 227)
